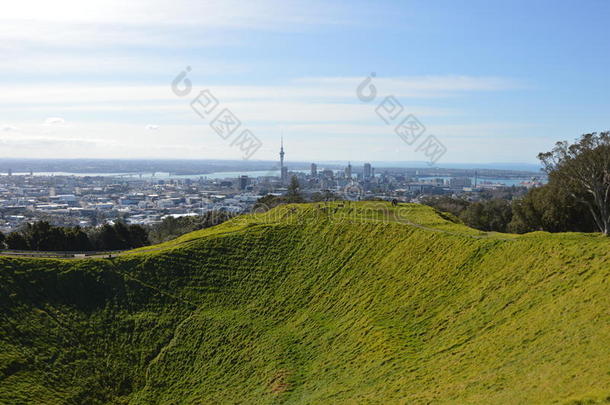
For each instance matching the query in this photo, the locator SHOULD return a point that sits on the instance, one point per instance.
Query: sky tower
(283, 170)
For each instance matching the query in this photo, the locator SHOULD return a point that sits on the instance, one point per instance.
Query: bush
(492, 215)
(172, 227)
(41, 236)
(550, 208)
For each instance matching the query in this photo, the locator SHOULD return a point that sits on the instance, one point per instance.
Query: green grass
(307, 304)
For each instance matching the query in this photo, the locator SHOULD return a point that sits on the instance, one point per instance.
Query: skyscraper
(243, 182)
(283, 170)
(367, 171)
(314, 170)
(348, 171)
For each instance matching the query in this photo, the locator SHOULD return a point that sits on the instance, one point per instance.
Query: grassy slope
(306, 305)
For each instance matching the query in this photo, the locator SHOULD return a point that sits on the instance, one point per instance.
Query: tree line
(575, 199)
(42, 236)
(171, 228)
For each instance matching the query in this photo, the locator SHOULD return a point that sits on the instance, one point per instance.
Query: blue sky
(493, 81)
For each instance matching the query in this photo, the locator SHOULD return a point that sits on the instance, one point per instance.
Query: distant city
(94, 192)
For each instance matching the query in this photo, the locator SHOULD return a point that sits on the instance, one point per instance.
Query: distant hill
(202, 166)
(525, 167)
(345, 303)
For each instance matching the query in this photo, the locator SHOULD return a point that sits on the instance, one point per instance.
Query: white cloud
(54, 94)
(290, 112)
(8, 128)
(325, 141)
(108, 140)
(497, 130)
(416, 85)
(312, 111)
(109, 62)
(43, 142)
(159, 22)
(303, 112)
(211, 13)
(312, 90)
(54, 121)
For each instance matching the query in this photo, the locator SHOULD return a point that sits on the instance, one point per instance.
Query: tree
(138, 236)
(550, 208)
(325, 195)
(493, 215)
(107, 239)
(2, 240)
(268, 202)
(454, 206)
(77, 240)
(294, 194)
(16, 241)
(171, 227)
(582, 169)
(44, 237)
(41, 236)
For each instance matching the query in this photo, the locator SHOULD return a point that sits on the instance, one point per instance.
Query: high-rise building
(243, 182)
(367, 171)
(10, 172)
(283, 170)
(348, 171)
(314, 170)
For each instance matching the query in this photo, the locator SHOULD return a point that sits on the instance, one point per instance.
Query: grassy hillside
(313, 304)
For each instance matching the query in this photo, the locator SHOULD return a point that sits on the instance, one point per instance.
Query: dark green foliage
(268, 202)
(487, 215)
(107, 238)
(294, 191)
(454, 206)
(293, 195)
(17, 241)
(77, 239)
(41, 236)
(122, 234)
(138, 236)
(492, 215)
(171, 227)
(550, 208)
(325, 195)
(582, 171)
(118, 237)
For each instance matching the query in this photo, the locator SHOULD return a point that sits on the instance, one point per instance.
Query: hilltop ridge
(315, 303)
